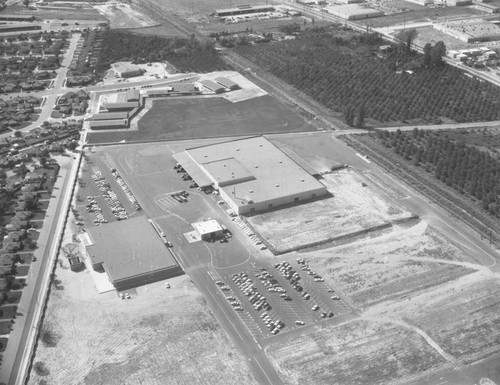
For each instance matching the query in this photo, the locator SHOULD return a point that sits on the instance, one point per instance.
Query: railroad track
(457, 208)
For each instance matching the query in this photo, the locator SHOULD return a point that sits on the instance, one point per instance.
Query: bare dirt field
(124, 16)
(353, 209)
(158, 336)
(396, 264)
(354, 353)
(463, 317)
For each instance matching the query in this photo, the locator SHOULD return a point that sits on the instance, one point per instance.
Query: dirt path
(419, 331)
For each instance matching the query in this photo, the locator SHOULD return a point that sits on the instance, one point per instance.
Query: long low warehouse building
(110, 116)
(108, 124)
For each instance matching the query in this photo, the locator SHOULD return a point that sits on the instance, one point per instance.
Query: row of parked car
(181, 197)
(258, 301)
(110, 196)
(93, 207)
(317, 278)
(126, 190)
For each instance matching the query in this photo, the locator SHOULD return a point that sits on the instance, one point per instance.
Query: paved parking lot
(287, 305)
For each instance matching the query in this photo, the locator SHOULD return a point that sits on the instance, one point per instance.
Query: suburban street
(21, 338)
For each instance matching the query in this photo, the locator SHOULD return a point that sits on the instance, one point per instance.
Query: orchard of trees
(185, 54)
(345, 70)
(465, 168)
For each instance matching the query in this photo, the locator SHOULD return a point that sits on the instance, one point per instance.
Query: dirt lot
(463, 317)
(159, 336)
(188, 118)
(355, 353)
(397, 264)
(124, 16)
(352, 209)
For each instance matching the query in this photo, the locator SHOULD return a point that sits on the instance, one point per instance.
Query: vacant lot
(189, 118)
(396, 264)
(462, 317)
(352, 210)
(354, 353)
(159, 336)
(124, 16)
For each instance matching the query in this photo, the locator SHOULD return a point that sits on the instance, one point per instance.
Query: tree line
(465, 168)
(187, 55)
(344, 70)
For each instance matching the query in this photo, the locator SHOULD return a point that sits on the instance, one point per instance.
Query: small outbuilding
(208, 230)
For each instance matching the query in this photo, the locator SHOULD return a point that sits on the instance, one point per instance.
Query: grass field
(189, 118)
(351, 210)
(355, 353)
(59, 14)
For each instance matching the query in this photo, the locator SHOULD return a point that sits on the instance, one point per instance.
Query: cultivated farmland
(343, 72)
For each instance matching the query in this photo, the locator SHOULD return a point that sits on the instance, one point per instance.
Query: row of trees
(184, 54)
(342, 72)
(467, 169)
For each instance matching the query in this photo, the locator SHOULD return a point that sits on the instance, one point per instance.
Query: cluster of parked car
(305, 267)
(180, 170)
(93, 207)
(258, 301)
(181, 197)
(110, 196)
(234, 302)
(248, 232)
(126, 190)
(271, 283)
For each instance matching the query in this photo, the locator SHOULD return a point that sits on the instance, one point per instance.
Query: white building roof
(207, 227)
(262, 171)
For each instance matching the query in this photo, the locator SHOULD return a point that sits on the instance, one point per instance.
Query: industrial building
(471, 30)
(184, 89)
(117, 107)
(110, 116)
(25, 18)
(139, 258)
(108, 124)
(227, 83)
(212, 86)
(354, 11)
(208, 230)
(251, 175)
(243, 10)
(19, 27)
(126, 70)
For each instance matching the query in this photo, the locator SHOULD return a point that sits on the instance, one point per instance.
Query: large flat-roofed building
(110, 116)
(131, 253)
(251, 175)
(243, 10)
(126, 70)
(354, 11)
(470, 30)
(108, 124)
